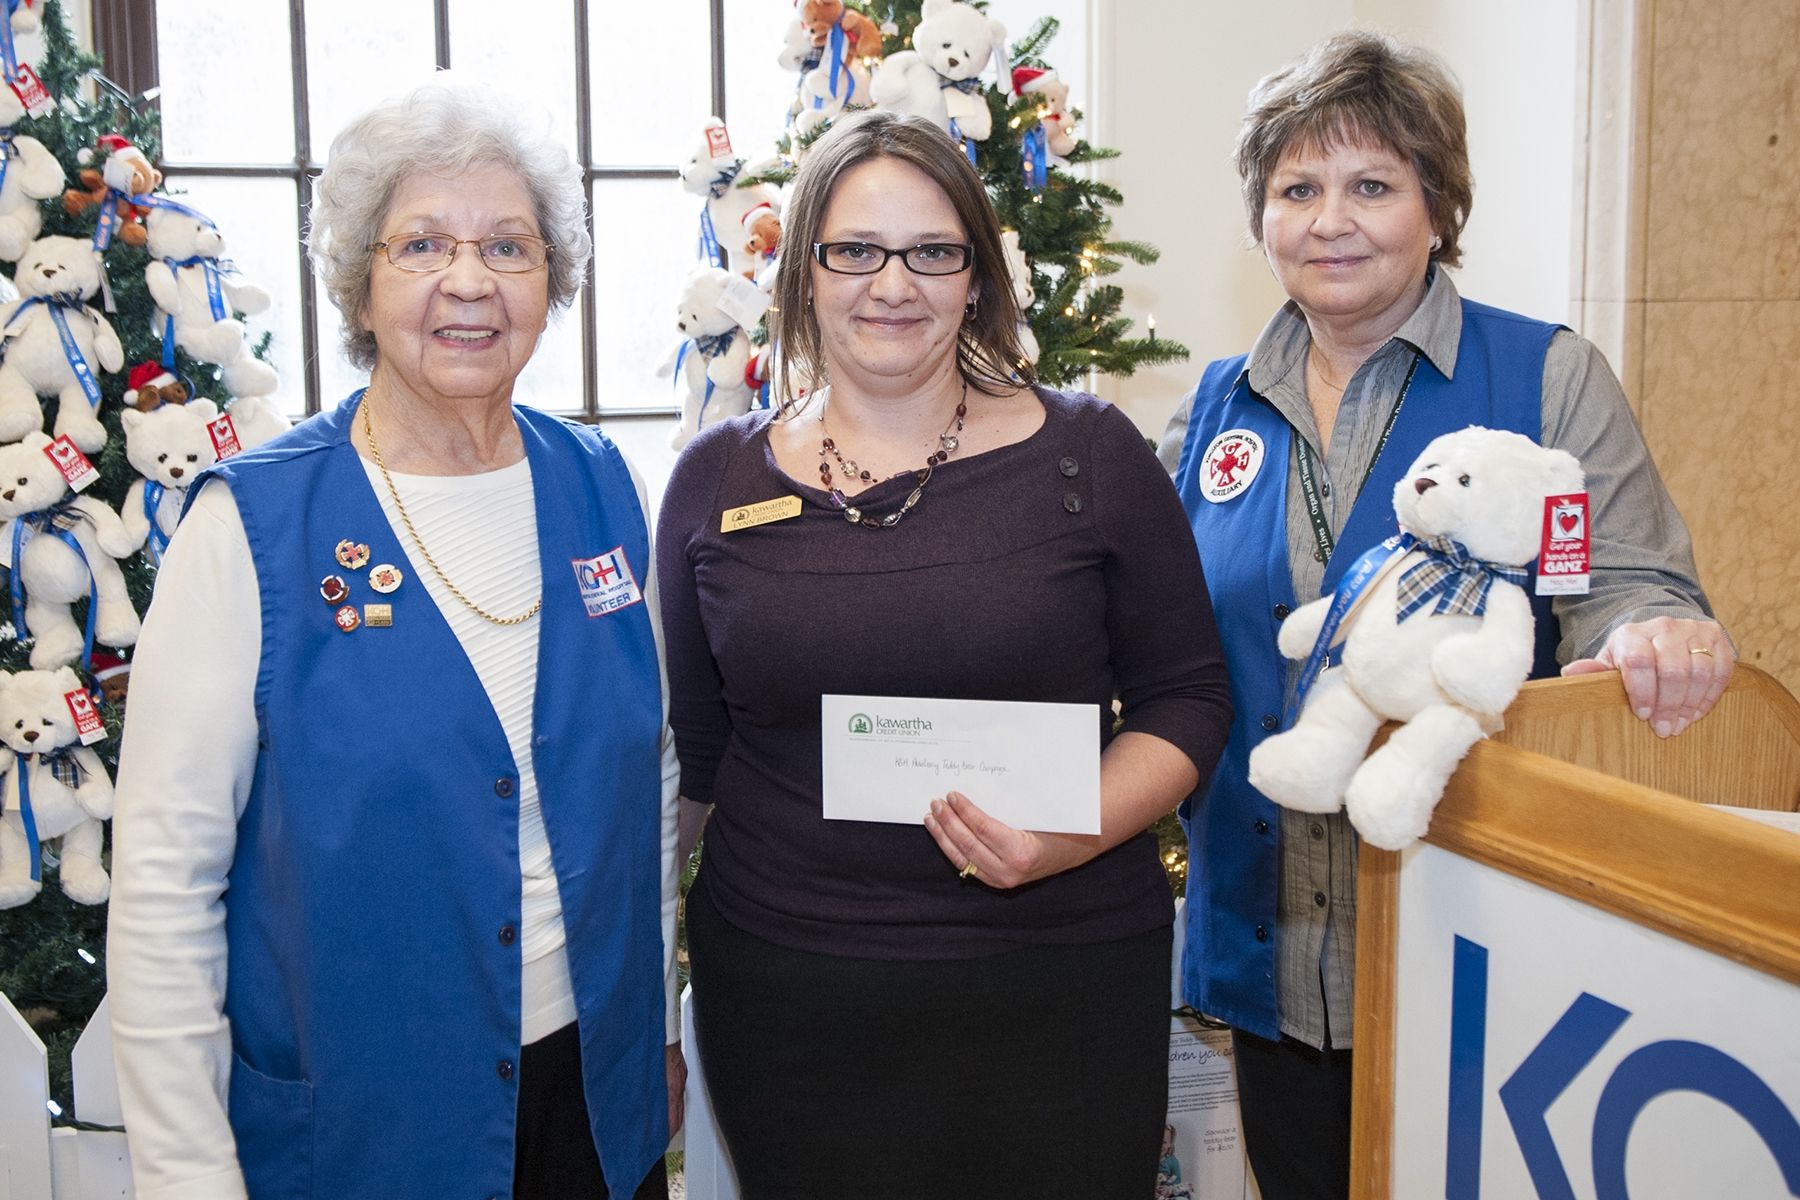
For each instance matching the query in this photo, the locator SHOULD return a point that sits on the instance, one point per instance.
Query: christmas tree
(53, 965)
(1038, 189)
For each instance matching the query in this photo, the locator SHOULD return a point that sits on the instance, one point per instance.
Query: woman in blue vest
(394, 867)
(1356, 177)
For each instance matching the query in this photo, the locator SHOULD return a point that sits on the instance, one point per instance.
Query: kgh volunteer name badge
(606, 582)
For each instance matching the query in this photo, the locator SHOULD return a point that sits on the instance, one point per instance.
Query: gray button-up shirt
(1642, 567)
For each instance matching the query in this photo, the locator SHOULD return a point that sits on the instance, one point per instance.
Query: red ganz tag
(224, 436)
(606, 582)
(87, 718)
(73, 464)
(31, 92)
(718, 142)
(1563, 558)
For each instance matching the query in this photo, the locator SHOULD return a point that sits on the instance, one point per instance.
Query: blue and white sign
(1546, 1048)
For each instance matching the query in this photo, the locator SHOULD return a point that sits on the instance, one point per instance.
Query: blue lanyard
(1315, 509)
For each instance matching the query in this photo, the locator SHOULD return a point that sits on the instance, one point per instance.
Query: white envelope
(1034, 766)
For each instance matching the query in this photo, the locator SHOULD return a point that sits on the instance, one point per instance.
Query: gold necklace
(1319, 370)
(484, 614)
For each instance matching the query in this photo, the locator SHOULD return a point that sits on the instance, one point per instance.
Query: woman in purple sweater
(960, 1008)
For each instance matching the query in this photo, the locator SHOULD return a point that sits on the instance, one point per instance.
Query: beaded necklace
(948, 441)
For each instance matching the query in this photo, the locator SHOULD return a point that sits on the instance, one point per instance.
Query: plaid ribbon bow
(63, 768)
(1457, 579)
(714, 345)
(721, 183)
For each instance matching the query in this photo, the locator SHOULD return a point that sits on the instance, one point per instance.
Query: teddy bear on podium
(1441, 639)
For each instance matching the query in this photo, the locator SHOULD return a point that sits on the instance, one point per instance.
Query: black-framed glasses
(862, 258)
(423, 251)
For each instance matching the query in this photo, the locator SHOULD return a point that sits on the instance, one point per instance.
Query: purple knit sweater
(1057, 569)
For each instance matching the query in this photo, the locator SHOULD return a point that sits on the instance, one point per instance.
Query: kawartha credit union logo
(863, 723)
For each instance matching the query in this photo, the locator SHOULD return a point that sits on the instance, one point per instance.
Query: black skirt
(1035, 1074)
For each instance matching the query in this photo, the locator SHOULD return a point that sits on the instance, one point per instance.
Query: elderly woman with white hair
(394, 879)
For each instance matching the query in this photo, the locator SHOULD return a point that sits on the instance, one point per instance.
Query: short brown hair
(1364, 86)
(988, 354)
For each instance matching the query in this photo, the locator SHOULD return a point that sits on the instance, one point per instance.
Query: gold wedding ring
(1702, 650)
(968, 870)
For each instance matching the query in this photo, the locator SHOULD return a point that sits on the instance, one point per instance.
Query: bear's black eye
(1463, 479)
(23, 481)
(162, 458)
(48, 722)
(193, 458)
(19, 724)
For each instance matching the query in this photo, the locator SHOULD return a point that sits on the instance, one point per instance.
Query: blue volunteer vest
(373, 906)
(1228, 967)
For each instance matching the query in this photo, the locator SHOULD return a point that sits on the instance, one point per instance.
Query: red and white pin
(352, 556)
(1230, 465)
(348, 618)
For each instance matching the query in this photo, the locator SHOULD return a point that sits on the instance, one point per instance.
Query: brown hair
(988, 354)
(1364, 86)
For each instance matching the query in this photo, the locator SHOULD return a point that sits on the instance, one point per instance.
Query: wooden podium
(1571, 887)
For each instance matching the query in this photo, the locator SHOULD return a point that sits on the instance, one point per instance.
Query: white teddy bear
(1474, 504)
(713, 357)
(185, 249)
(70, 792)
(32, 489)
(712, 172)
(28, 173)
(1018, 270)
(939, 77)
(51, 274)
(168, 446)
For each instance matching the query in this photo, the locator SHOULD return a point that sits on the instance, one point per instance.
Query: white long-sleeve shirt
(185, 773)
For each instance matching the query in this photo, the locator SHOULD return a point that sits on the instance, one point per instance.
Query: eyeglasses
(509, 253)
(861, 258)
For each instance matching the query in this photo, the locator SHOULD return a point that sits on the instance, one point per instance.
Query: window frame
(130, 40)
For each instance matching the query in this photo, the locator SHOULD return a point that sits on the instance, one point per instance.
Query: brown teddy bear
(818, 17)
(149, 386)
(125, 170)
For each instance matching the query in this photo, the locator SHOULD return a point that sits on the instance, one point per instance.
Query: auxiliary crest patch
(1230, 464)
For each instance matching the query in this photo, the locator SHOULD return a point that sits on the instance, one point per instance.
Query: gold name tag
(761, 513)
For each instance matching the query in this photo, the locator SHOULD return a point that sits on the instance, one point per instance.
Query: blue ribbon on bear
(709, 346)
(8, 54)
(56, 520)
(837, 40)
(33, 852)
(1037, 158)
(8, 151)
(55, 305)
(967, 87)
(159, 541)
(1356, 580)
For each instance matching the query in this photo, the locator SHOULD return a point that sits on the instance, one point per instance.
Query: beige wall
(1169, 92)
(1688, 275)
